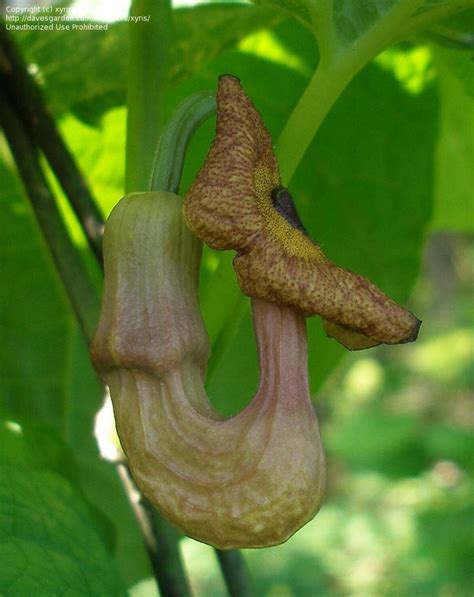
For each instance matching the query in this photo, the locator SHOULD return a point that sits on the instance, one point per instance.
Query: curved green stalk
(171, 150)
(336, 69)
(323, 90)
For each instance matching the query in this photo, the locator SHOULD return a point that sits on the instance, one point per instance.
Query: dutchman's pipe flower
(254, 479)
(238, 202)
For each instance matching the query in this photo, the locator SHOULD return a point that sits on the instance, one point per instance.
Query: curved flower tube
(237, 202)
(249, 481)
(254, 479)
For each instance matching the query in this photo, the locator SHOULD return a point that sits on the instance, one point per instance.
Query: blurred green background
(386, 189)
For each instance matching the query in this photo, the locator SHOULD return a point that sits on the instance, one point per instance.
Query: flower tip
(357, 340)
(415, 329)
(227, 77)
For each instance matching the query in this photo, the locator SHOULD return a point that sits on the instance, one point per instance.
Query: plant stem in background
(323, 90)
(235, 572)
(81, 291)
(25, 95)
(149, 45)
(161, 540)
(335, 70)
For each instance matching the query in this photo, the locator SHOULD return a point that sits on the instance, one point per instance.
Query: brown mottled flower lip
(237, 201)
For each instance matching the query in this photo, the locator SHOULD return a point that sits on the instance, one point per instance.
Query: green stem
(323, 24)
(82, 293)
(161, 541)
(149, 44)
(172, 578)
(174, 141)
(235, 572)
(26, 97)
(328, 82)
(320, 95)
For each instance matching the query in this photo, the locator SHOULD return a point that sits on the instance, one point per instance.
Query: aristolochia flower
(238, 202)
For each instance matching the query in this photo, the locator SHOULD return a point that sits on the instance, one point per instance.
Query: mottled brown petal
(223, 194)
(237, 202)
(322, 288)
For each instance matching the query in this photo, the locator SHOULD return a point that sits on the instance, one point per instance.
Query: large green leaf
(28, 444)
(54, 546)
(202, 33)
(342, 24)
(48, 541)
(45, 373)
(454, 207)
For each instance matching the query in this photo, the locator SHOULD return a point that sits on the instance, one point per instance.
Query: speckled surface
(230, 206)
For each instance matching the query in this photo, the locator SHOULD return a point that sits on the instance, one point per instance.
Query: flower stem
(174, 141)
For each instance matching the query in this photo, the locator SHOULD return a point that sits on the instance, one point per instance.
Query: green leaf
(202, 33)
(100, 154)
(47, 539)
(353, 19)
(45, 372)
(343, 24)
(36, 341)
(28, 444)
(299, 9)
(454, 209)
(386, 443)
(366, 198)
(48, 532)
